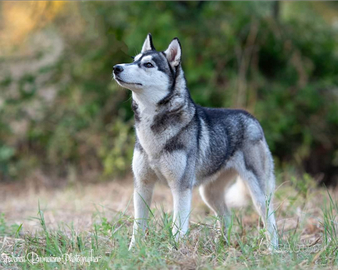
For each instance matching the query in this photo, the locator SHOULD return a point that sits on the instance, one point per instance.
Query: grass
(307, 223)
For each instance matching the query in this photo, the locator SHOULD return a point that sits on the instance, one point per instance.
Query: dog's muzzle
(117, 69)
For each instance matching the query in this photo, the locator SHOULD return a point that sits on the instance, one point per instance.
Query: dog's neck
(151, 104)
(147, 103)
(159, 118)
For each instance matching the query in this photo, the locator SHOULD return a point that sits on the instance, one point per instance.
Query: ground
(90, 226)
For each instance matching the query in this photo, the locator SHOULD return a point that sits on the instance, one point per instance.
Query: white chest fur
(151, 142)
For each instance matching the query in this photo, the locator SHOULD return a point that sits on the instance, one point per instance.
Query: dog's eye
(148, 65)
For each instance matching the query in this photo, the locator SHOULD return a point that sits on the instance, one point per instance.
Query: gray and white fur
(185, 145)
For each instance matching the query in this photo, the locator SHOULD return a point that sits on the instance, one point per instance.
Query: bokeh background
(63, 119)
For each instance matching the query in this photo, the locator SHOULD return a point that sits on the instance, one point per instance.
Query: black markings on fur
(162, 64)
(157, 58)
(251, 167)
(138, 146)
(186, 182)
(151, 42)
(174, 144)
(134, 107)
(165, 119)
(199, 129)
(173, 78)
(227, 129)
(172, 71)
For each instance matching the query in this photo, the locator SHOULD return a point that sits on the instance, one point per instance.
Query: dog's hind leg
(263, 205)
(213, 194)
(257, 173)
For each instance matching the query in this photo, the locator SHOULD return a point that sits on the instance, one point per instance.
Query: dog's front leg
(144, 182)
(179, 171)
(182, 208)
(142, 199)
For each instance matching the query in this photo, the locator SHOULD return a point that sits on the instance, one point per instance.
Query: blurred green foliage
(279, 60)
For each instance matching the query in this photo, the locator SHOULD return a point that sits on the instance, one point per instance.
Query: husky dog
(186, 145)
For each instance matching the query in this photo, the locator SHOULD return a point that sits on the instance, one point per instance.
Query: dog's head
(151, 71)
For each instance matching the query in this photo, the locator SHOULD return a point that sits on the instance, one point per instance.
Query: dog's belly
(226, 173)
(203, 178)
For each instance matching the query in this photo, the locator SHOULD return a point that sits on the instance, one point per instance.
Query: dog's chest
(151, 142)
(155, 130)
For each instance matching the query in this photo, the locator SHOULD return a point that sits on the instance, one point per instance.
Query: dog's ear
(148, 44)
(174, 52)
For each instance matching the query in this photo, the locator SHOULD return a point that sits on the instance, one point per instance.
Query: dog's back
(225, 131)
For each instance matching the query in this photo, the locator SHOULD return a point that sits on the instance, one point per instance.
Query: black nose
(117, 69)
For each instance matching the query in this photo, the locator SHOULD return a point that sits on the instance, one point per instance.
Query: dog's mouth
(123, 82)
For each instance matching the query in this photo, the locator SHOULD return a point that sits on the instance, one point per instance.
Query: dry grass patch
(93, 223)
